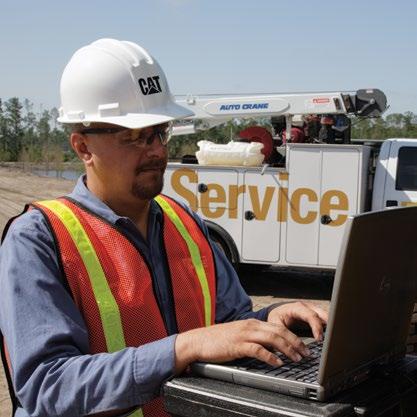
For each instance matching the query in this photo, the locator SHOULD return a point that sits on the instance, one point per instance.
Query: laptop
(374, 291)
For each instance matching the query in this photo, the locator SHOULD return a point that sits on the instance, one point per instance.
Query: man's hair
(77, 127)
(80, 127)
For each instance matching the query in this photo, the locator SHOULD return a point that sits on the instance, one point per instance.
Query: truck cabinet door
(261, 226)
(205, 190)
(220, 199)
(340, 188)
(213, 192)
(324, 184)
(303, 189)
(400, 188)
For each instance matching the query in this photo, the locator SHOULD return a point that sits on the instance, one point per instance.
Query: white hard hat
(116, 82)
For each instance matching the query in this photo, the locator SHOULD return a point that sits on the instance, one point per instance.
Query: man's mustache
(151, 165)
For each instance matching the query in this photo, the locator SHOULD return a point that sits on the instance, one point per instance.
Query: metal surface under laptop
(373, 296)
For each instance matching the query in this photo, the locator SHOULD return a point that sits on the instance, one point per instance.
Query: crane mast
(212, 110)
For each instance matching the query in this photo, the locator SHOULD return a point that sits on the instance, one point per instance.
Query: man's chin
(149, 191)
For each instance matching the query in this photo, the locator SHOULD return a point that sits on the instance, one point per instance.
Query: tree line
(29, 136)
(33, 136)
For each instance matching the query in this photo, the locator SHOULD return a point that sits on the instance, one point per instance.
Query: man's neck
(137, 211)
(134, 208)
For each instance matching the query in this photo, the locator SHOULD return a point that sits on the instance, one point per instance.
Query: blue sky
(226, 46)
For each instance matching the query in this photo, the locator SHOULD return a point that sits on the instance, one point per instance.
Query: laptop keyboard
(304, 371)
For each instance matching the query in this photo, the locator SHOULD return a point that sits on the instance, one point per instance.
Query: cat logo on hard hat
(150, 85)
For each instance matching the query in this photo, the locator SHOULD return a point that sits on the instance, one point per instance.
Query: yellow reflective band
(137, 413)
(195, 255)
(109, 310)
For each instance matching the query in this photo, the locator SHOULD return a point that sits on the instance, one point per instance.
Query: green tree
(44, 133)
(30, 152)
(14, 130)
(3, 156)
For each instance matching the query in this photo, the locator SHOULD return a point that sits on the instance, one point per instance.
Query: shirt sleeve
(232, 302)
(52, 370)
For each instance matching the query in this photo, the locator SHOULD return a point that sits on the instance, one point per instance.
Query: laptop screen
(374, 291)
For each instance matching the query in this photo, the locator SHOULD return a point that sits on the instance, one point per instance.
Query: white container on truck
(293, 215)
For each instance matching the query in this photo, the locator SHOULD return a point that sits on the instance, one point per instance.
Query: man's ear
(79, 143)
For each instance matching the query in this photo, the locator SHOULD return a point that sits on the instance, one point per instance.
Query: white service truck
(293, 214)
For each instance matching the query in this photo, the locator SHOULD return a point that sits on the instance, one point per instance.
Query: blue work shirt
(47, 339)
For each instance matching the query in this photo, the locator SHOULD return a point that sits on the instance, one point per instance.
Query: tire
(224, 242)
(248, 268)
(221, 245)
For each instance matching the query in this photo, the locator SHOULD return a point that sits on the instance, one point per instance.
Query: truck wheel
(219, 242)
(226, 245)
(224, 242)
(250, 268)
(222, 245)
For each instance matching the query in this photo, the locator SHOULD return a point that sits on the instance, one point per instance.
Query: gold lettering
(296, 202)
(261, 211)
(234, 192)
(216, 200)
(342, 203)
(283, 199)
(182, 191)
(207, 200)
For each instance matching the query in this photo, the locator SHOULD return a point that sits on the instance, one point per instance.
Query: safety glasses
(135, 137)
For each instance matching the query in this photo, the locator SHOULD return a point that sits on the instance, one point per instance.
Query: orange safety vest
(112, 283)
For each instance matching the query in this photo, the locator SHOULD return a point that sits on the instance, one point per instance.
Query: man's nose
(154, 146)
(156, 136)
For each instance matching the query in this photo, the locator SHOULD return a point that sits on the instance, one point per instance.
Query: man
(114, 289)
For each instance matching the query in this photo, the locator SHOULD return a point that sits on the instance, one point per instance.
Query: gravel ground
(270, 286)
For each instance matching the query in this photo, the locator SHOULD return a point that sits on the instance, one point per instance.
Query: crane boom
(212, 110)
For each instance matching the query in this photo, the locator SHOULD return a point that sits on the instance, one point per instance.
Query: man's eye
(127, 141)
(133, 141)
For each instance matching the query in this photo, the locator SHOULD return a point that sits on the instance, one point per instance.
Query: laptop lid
(374, 292)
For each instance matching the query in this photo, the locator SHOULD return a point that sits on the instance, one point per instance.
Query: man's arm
(244, 332)
(232, 302)
(46, 337)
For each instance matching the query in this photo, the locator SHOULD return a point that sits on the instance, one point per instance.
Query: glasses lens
(146, 136)
(137, 137)
(165, 133)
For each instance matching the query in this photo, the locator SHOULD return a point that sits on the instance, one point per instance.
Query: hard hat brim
(164, 114)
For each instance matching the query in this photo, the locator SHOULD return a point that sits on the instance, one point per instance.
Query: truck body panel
(288, 216)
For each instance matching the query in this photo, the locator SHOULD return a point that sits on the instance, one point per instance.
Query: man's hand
(239, 339)
(291, 314)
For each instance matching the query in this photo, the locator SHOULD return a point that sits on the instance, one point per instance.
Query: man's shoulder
(181, 204)
(30, 221)
(192, 213)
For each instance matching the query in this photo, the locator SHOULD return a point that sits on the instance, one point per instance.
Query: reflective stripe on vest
(195, 255)
(112, 284)
(109, 311)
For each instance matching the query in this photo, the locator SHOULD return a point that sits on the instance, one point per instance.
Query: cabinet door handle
(325, 219)
(202, 188)
(249, 215)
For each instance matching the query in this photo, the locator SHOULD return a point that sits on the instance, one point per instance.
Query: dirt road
(18, 188)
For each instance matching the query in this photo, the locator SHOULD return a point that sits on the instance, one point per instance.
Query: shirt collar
(84, 196)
